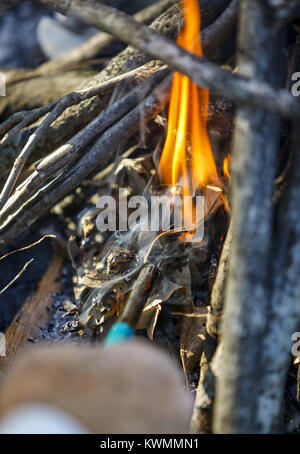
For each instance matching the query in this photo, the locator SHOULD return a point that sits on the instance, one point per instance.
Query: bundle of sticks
(76, 131)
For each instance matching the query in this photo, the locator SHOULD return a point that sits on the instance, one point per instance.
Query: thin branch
(26, 118)
(11, 122)
(213, 37)
(16, 277)
(17, 76)
(138, 295)
(90, 48)
(72, 120)
(77, 117)
(218, 38)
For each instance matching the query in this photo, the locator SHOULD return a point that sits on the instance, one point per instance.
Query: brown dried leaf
(193, 335)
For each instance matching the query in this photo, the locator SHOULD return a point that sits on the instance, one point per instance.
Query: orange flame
(187, 138)
(226, 164)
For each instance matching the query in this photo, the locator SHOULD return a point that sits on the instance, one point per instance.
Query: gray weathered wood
(255, 150)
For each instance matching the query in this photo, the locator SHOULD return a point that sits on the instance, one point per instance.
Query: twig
(90, 48)
(219, 37)
(212, 39)
(138, 295)
(87, 51)
(73, 119)
(27, 247)
(27, 118)
(7, 4)
(11, 121)
(12, 78)
(236, 88)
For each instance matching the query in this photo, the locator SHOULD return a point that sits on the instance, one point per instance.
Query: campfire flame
(187, 159)
(226, 165)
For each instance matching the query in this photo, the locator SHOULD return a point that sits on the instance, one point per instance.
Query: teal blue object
(120, 332)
